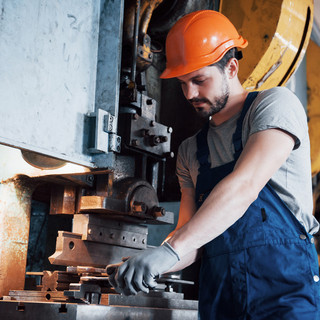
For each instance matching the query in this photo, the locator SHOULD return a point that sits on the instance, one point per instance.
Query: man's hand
(138, 273)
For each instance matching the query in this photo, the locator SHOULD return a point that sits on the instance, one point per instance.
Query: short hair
(232, 53)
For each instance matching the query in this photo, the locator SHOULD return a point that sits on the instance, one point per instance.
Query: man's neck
(234, 105)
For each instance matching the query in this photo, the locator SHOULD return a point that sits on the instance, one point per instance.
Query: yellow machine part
(278, 33)
(313, 54)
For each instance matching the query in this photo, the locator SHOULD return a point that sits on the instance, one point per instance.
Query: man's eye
(198, 81)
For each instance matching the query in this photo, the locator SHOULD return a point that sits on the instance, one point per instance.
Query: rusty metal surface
(15, 203)
(57, 280)
(63, 200)
(36, 296)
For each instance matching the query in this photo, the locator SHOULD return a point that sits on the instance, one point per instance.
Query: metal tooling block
(99, 228)
(153, 299)
(72, 250)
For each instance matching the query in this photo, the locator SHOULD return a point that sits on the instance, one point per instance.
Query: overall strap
(237, 136)
(202, 146)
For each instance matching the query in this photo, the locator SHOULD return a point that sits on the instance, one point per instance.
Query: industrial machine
(87, 122)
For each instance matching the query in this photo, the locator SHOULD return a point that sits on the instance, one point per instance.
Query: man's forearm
(186, 261)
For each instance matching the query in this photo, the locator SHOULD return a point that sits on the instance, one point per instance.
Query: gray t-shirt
(274, 108)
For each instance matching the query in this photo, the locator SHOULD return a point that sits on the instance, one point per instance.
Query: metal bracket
(103, 137)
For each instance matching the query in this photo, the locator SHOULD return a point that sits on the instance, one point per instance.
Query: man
(246, 204)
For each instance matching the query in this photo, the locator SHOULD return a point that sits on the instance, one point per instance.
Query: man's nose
(191, 92)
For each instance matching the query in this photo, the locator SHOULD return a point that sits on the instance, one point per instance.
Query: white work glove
(138, 272)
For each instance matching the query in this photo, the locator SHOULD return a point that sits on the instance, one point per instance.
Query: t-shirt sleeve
(279, 108)
(182, 169)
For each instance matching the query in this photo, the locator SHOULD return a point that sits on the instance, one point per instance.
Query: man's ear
(232, 68)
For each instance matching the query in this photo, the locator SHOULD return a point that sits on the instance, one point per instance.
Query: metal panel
(11, 310)
(49, 59)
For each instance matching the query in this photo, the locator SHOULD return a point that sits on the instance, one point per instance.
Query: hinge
(102, 136)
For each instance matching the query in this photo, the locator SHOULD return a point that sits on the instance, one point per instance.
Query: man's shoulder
(278, 93)
(190, 140)
(277, 99)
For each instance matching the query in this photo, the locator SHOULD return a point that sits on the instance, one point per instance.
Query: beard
(214, 106)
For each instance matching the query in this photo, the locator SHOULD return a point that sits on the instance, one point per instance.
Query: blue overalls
(265, 265)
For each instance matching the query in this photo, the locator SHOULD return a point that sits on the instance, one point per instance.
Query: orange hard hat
(197, 40)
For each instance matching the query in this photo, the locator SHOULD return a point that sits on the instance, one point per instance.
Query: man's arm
(262, 156)
(186, 212)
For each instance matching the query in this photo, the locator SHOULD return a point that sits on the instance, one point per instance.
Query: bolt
(135, 116)
(154, 140)
(169, 130)
(145, 132)
(152, 123)
(163, 139)
(158, 211)
(139, 207)
(89, 231)
(150, 55)
(90, 178)
(169, 155)
(135, 142)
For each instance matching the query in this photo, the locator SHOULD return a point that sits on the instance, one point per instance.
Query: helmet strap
(238, 55)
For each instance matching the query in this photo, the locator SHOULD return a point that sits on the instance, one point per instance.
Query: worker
(246, 192)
